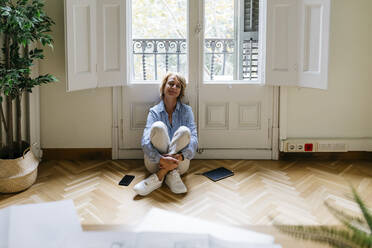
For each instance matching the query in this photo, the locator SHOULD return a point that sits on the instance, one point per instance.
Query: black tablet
(218, 174)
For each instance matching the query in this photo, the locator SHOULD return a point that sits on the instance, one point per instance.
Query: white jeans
(160, 140)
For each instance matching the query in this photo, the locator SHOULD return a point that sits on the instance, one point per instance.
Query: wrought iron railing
(217, 48)
(166, 53)
(159, 48)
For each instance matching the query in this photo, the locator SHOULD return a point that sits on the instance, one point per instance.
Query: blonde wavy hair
(180, 79)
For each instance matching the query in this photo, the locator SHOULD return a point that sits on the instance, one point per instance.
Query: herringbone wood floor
(292, 192)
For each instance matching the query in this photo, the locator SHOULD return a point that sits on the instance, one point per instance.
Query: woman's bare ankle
(161, 174)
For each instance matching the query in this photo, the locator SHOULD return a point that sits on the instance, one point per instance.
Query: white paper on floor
(158, 220)
(93, 239)
(43, 224)
(4, 227)
(56, 225)
(217, 243)
(172, 240)
(153, 240)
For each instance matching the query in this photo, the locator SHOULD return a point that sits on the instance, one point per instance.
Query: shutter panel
(281, 42)
(314, 43)
(111, 42)
(248, 39)
(81, 44)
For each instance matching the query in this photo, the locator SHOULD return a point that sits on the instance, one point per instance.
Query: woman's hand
(167, 162)
(178, 156)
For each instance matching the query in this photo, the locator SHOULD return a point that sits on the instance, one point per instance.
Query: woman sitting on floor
(169, 140)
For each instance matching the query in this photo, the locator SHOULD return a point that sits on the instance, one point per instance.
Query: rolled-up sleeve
(153, 154)
(189, 151)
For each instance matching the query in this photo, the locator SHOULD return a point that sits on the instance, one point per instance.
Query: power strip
(297, 145)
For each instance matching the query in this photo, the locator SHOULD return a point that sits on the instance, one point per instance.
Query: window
(231, 40)
(158, 35)
(159, 39)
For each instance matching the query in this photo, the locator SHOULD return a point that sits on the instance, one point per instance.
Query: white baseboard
(352, 144)
(234, 154)
(209, 154)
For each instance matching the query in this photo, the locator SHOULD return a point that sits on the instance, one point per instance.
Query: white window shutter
(281, 42)
(297, 43)
(248, 23)
(111, 43)
(81, 44)
(314, 43)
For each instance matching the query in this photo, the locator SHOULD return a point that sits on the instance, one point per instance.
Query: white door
(235, 110)
(157, 43)
(235, 121)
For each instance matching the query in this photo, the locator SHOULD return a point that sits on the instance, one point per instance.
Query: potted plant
(24, 28)
(355, 231)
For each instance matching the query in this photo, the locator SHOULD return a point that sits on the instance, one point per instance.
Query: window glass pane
(159, 32)
(219, 40)
(219, 19)
(231, 40)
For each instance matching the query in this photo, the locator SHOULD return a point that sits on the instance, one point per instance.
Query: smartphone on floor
(126, 180)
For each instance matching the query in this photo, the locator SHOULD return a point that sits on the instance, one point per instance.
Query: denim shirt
(181, 116)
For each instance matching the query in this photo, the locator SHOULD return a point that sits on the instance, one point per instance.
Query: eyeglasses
(172, 84)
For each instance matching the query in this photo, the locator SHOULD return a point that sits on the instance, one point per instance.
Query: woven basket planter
(18, 174)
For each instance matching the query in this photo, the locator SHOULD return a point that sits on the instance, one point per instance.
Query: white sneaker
(174, 182)
(148, 185)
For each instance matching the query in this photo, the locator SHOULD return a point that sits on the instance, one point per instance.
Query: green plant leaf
(363, 208)
(322, 234)
(356, 234)
(24, 23)
(344, 217)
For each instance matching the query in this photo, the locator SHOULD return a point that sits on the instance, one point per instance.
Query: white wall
(83, 119)
(79, 119)
(345, 109)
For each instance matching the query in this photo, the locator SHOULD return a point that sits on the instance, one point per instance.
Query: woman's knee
(158, 126)
(183, 130)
